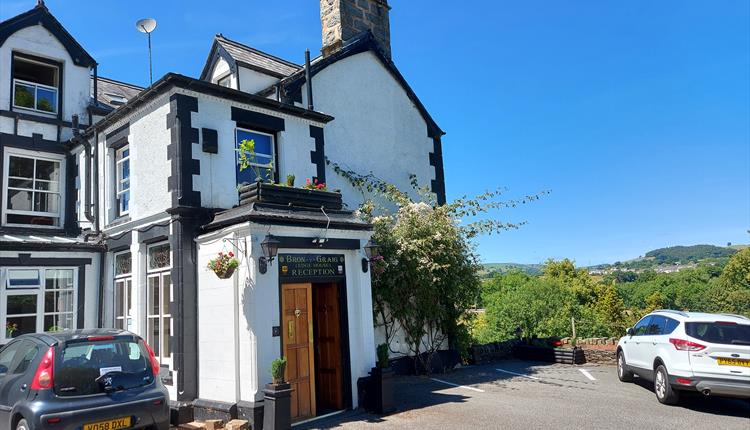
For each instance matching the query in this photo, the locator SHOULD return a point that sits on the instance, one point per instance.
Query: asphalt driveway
(523, 395)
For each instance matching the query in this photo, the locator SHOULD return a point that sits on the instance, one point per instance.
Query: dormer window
(226, 81)
(116, 99)
(36, 84)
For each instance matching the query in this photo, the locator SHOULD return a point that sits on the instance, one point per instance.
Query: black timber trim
(154, 233)
(25, 260)
(35, 143)
(120, 243)
(118, 138)
(363, 43)
(318, 157)
(436, 160)
(257, 121)
(210, 140)
(291, 242)
(217, 51)
(39, 118)
(49, 246)
(70, 198)
(173, 80)
(180, 151)
(40, 15)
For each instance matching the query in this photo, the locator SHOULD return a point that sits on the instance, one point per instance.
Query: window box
(261, 192)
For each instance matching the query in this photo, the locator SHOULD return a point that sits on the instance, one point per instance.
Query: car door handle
(654, 343)
(24, 387)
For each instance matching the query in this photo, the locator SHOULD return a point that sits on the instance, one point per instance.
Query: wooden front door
(297, 329)
(329, 372)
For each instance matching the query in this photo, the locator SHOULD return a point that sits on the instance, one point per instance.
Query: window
(123, 291)
(656, 325)
(35, 300)
(724, 333)
(159, 296)
(35, 85)
(261, 161)
(225, 81)
(641, 329)
(34, 191)
(122, 163)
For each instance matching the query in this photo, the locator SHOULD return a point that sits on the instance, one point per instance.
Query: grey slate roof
(113, 94)
(286, 215)
(251, 58)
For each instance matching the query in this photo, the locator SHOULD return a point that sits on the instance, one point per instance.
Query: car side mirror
(3, 370)
(630, 331)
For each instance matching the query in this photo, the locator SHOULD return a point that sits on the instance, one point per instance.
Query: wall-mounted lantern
(371, 251)
(270, 248)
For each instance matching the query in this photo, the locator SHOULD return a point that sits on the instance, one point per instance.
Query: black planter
(380, 396)
(260, 192)
(554, 355)
(277, 407)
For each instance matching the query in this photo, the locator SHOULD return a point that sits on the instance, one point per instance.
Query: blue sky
(635, 115)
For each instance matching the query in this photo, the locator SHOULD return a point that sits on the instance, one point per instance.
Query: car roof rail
(735, 315)
(672, 311)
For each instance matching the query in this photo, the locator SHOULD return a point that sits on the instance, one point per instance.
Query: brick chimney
(344, 19)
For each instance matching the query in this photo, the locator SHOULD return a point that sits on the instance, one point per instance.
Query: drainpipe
(96, 88)
(87, 178)
(308, 81)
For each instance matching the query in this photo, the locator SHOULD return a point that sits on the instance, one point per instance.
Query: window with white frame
(122, 166)
(33, 194)
(36, 84)
(34, 300)
(123, 291)
(159, 296)
(261, 158)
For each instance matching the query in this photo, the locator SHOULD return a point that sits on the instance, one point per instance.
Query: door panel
(329, 372)
(298, 347)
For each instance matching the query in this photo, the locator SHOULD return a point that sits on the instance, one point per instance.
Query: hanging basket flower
(224, 265)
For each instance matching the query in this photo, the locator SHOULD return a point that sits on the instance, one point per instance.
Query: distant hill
(531, 269)
(689, 254)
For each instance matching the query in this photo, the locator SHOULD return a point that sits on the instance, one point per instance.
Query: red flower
(231, 254)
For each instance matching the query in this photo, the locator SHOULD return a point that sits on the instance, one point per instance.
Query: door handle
(290, 330)
(24, 387)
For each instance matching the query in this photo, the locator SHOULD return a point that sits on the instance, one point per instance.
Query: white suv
(688, 351)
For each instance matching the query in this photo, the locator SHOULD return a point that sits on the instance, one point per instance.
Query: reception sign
(310, 267)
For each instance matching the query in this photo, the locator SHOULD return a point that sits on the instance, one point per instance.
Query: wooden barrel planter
(553, 355)
(260, 192)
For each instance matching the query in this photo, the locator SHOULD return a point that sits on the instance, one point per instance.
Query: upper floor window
(260, 159)
(33, 195)
(226, 81)
(36, 85)
(122, 163)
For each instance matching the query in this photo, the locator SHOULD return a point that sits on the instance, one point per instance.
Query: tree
(732, 292)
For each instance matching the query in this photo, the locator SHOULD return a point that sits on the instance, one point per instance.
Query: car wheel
(22, 425)
(623, 373)
(664, 392)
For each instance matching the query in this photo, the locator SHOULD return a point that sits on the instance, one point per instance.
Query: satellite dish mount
(147, 25)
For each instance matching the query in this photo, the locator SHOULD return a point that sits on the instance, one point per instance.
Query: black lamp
(371, 251)
(270, 248)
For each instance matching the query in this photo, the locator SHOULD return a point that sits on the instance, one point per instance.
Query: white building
(110, 218)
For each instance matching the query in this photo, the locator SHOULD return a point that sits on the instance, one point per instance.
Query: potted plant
(224, 265)
(9, 329)
(277, 399)
(381, 383)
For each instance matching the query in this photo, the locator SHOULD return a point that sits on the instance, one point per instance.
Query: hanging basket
(226, 274)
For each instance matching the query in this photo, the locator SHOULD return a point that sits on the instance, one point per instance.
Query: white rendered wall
(252, 81)
(377, 128)
(258, 311)
(36, 40)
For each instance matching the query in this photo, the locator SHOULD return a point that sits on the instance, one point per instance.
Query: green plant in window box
(248, 159)
(54, 329)
(290, 180)
(9, 329)
(278, 366)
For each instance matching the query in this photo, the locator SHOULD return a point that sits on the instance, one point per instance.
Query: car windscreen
(85, 368)
(719, 332)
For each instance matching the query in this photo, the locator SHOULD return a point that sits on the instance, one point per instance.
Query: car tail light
(725, 323)
(54, 420)
(44, 376)
(686, 345)
(99, 338)
(684, 381)
(155, 366)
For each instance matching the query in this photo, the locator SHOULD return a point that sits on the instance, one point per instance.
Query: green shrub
(278, 366)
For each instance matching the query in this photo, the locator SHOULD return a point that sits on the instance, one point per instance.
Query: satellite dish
(146, 25)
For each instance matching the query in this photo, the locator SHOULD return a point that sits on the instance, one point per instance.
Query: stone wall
(598, 349)
(343, 19)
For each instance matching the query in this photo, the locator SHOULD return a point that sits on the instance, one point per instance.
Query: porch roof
(265, 213)
(45, 242)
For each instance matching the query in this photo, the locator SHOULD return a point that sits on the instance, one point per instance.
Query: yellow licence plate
(734, 362)
(114, 424)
